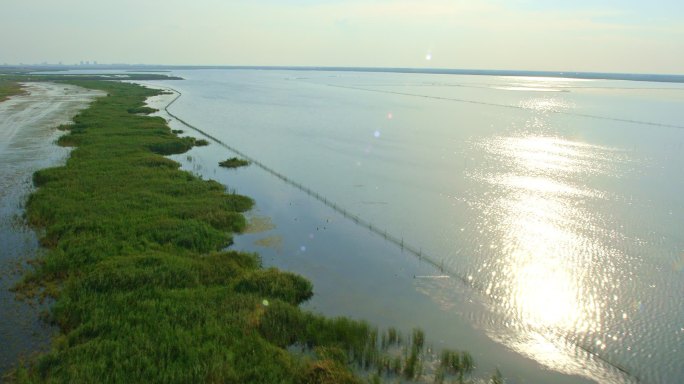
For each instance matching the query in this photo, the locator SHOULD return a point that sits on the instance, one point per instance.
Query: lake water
(540, 220)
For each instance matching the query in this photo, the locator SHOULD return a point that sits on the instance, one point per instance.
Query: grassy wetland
(9, 88)
(144, 290)
(234, 162)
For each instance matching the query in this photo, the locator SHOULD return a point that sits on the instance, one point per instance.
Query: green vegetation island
(144, 289)
(9, 88)
(234, 162)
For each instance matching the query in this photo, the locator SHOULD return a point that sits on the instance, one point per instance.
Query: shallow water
(557, 201)
(27, 134)
(359, 274)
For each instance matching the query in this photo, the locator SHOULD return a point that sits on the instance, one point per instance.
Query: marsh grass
(9, 88)
(234, 162)
(454, 364)
(143, 291)
(143, 110)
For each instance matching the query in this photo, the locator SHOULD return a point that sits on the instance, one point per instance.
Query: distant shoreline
(486, 72)
(662, 78)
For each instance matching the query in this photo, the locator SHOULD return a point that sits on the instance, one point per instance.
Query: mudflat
(28, 130)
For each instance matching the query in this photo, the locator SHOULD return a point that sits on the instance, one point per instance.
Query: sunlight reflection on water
(546, 275)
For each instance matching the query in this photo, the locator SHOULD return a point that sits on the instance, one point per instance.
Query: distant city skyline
(552, 35)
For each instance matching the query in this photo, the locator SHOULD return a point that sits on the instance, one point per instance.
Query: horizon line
(671, 78)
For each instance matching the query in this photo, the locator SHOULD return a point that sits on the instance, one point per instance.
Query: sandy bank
(40, 110)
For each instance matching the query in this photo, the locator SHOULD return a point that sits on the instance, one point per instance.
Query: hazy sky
(582, 35)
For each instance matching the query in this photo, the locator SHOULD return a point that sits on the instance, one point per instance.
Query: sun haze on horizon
(602, 36)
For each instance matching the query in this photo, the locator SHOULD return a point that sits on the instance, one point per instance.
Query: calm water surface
(548, 213)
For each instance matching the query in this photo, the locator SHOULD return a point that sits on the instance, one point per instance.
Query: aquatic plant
(234, 162)
(9, 88)
(455, 363)
(497, 378)
(142, 110)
